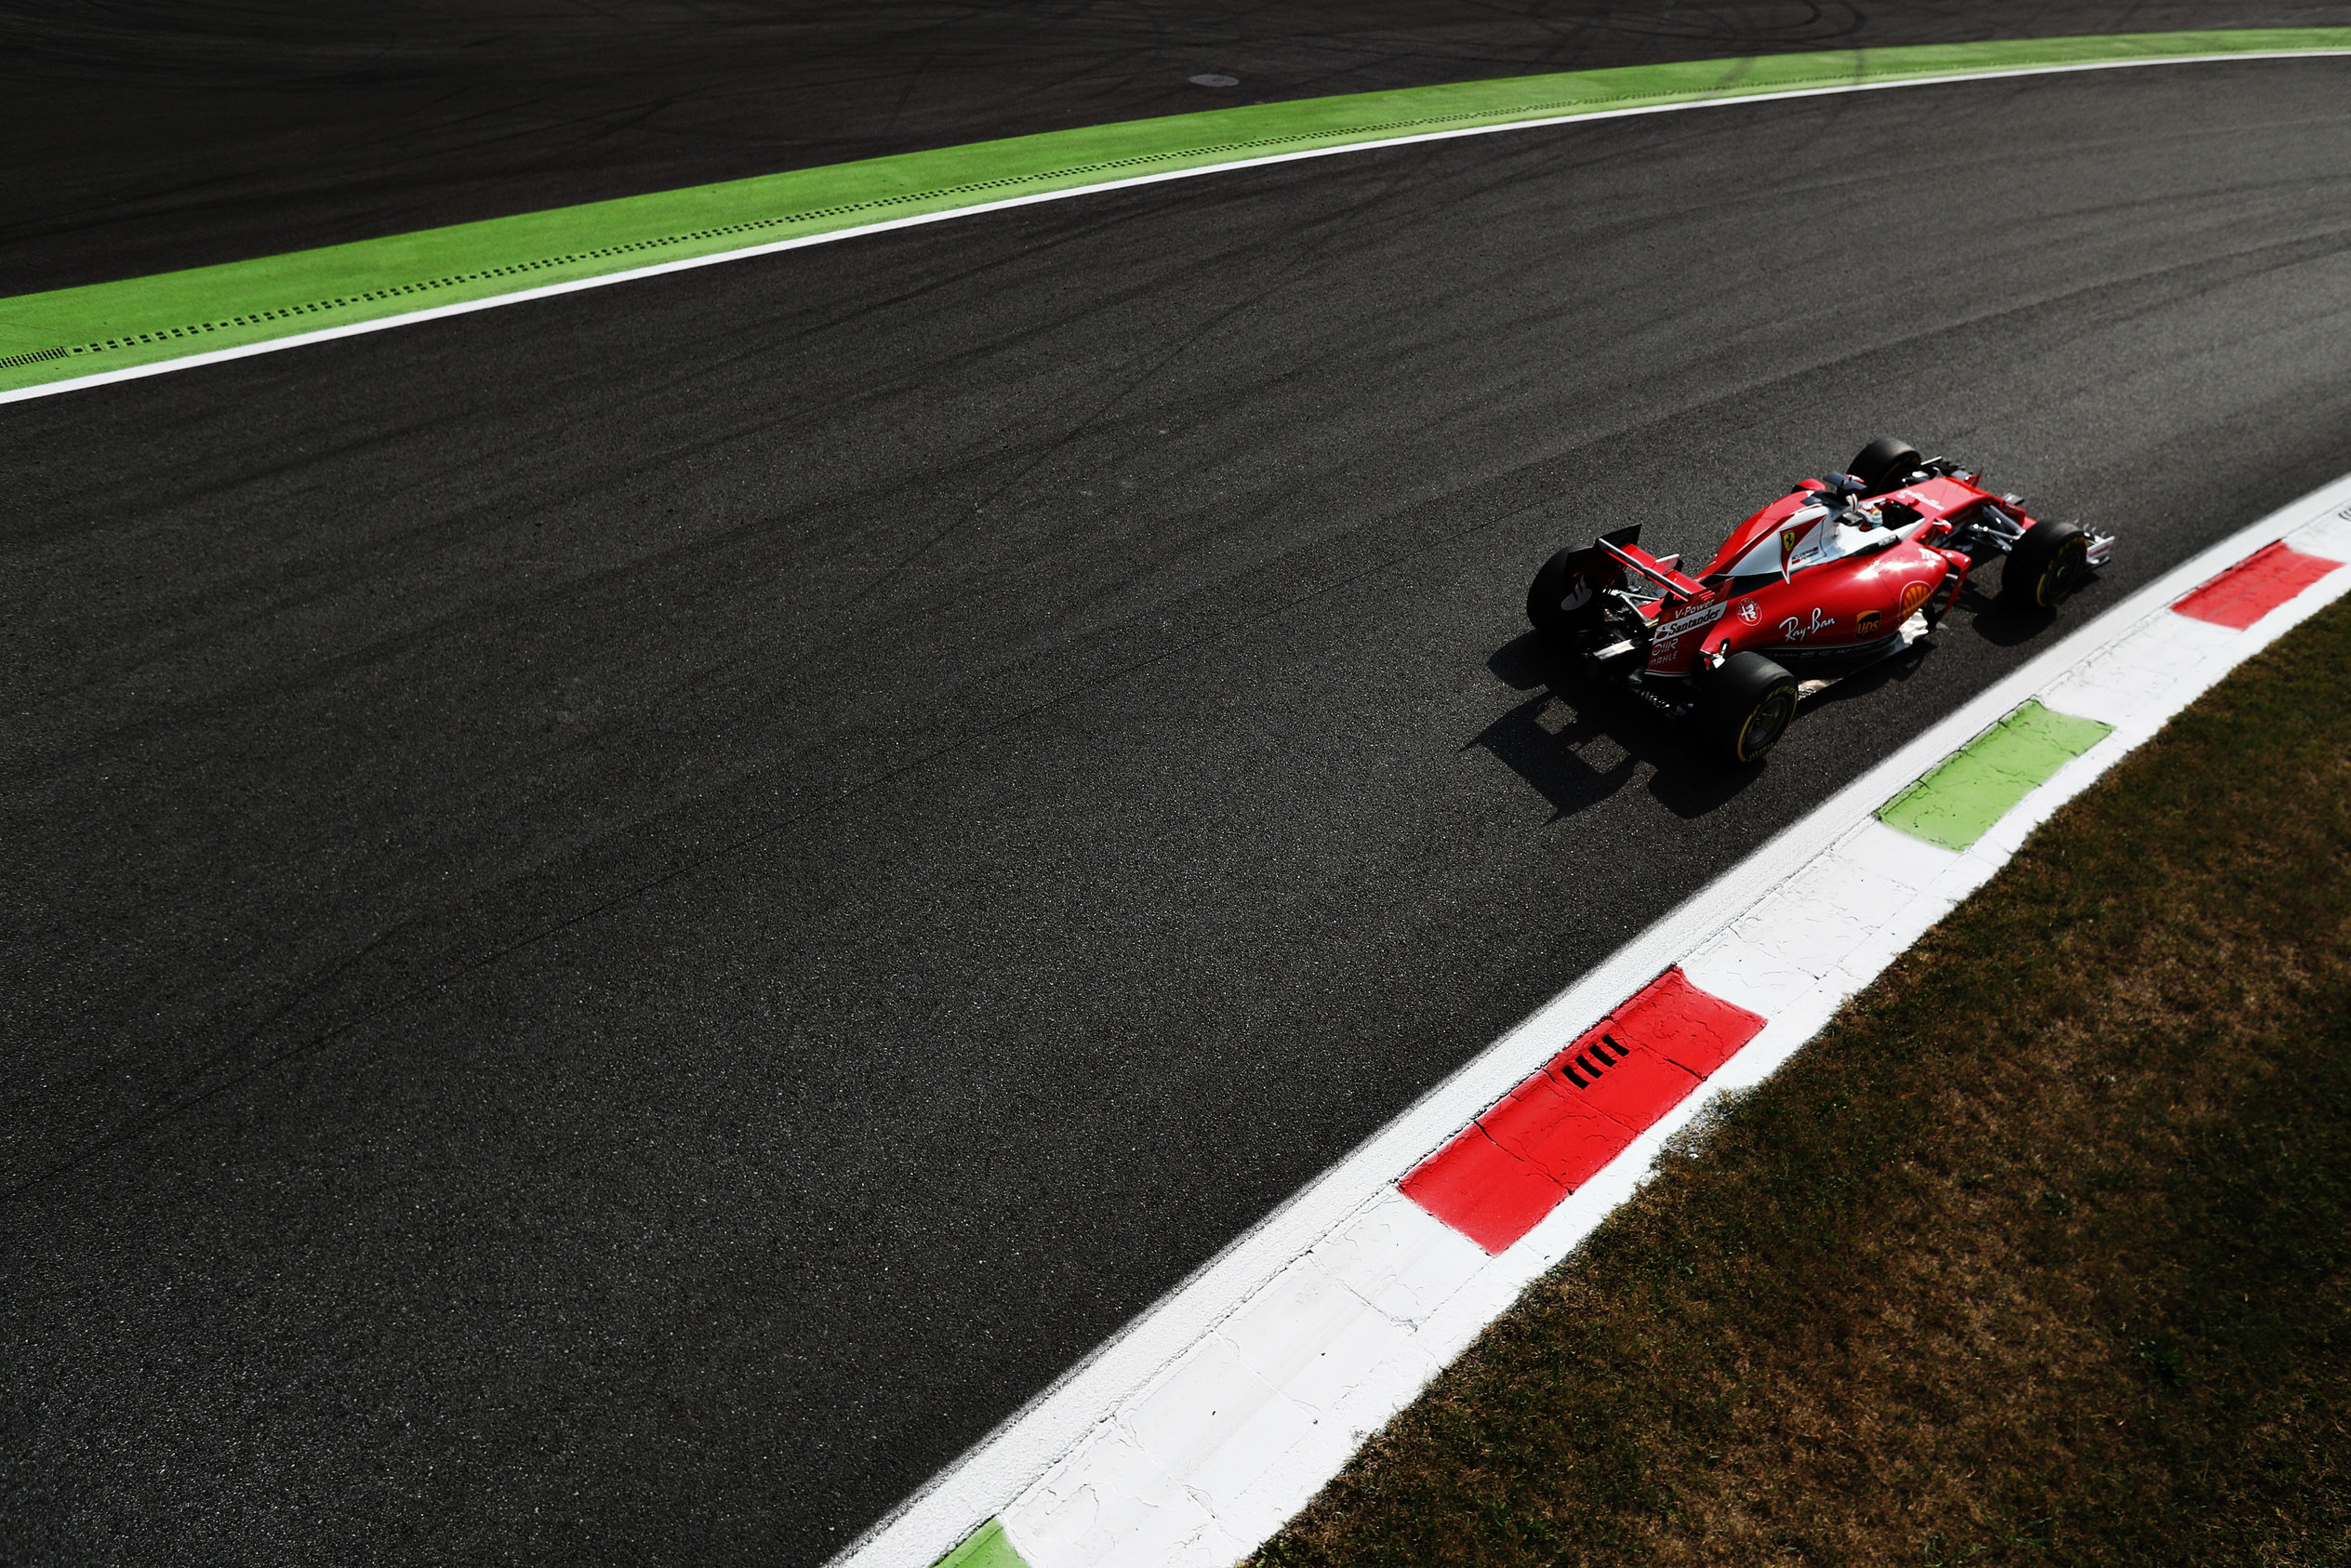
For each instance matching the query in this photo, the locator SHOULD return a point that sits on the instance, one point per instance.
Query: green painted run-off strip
(70, 333)
(987, 1546)
(1957, 804)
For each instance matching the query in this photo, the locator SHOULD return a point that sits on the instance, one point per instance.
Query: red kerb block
(1490, 1196)
(1685, 1025)
(1502, 1174)
(1555, 1130)
(2256, 586)
(1635, 1089)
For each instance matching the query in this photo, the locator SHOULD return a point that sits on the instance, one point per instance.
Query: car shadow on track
(1578, 745)
(2005, 627)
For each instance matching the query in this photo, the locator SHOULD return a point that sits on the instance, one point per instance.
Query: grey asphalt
(631, 918)
(148, 135)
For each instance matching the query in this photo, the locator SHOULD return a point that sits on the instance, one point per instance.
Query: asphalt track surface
(149, 135)
(633, 916)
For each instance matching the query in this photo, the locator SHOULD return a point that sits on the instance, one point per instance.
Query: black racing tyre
(1564, 601)
(2046, 564)
(1745, 706)
(1884, 463)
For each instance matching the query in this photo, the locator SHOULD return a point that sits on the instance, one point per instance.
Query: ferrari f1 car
(1832, 578)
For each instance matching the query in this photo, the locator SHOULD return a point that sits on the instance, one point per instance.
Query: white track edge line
(997, 1471)
(466, 306)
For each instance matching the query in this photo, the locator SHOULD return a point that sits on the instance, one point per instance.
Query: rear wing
(1635, 559)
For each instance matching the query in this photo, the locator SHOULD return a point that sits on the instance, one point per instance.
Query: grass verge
(2040, 1253)
(126, 323)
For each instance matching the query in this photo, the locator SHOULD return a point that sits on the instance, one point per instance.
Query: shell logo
(1914, 594)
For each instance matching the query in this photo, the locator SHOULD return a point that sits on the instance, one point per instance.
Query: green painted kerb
(73, 332)
(987, 1546)
(1974, 787)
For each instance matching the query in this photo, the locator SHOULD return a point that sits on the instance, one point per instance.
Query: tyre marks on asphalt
(94, 333)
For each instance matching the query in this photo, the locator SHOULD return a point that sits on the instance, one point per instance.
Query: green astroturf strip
(984, 1547)
(1974, 787)
(73, 332)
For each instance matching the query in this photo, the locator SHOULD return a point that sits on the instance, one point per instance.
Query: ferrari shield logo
(1788, 541)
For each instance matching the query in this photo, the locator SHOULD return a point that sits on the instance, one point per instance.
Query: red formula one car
(1830, 578)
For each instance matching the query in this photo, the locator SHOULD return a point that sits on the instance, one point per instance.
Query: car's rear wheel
(1564, 602)
(1746, 707)
(1884, 463)
(2048, 564)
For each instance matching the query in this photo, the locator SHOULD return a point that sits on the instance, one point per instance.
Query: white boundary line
(1046, 1465)
(409, 318)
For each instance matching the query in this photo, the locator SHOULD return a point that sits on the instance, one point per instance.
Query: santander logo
(1704, 615)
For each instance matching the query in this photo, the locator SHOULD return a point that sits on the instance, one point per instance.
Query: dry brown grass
(2042, 1253)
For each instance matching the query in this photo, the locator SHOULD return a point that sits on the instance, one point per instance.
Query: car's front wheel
(2046, 564)
(1744, 708)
